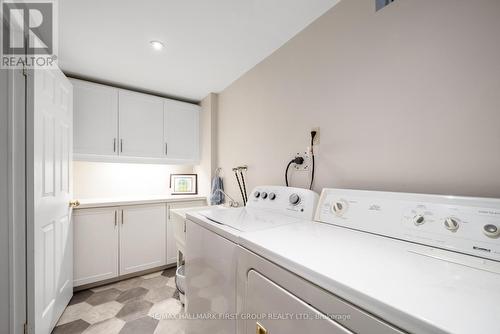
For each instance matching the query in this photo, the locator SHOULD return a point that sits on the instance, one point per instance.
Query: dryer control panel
(462, 224)
(295, 202)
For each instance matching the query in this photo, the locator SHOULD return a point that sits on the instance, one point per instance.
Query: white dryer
(375, 263)
(212, 238)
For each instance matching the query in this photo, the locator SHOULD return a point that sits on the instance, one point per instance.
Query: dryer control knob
(491, 231)
(294, 199)
(451, 224)
(263, 195)
(339, 207)
(418, 220)
(256, 194)
(272, 196)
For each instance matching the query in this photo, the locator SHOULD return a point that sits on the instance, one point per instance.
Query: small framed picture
(184, 184)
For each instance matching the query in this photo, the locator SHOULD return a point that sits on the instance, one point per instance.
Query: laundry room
(237, 167)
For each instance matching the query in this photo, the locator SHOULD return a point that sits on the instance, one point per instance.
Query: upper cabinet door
(95, 119)
(182, 131)
(141, 125)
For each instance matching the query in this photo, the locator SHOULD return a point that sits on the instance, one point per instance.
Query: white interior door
(52, 167)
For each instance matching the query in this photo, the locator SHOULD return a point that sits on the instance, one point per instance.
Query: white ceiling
(209, 43)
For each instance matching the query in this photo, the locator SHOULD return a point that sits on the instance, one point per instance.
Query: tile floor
(141, 305)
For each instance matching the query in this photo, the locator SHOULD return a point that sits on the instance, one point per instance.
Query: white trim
(16, 200)
(30, 200)
(126, 159)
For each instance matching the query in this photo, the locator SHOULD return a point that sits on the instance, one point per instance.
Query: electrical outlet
(306, 166)
(316, 138)
(379, 4)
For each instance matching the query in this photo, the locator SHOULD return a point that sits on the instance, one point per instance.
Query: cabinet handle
(121, 145)
(122, 217)
(166, 148)
(116, 222)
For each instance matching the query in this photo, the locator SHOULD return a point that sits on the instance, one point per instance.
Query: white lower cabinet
(115, 241)
(95, 245)
(142, 238)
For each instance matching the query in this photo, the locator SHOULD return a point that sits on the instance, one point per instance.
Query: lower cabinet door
(284, 312)
(95, 237)
(142, 238)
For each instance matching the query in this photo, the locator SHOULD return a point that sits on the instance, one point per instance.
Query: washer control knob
(418, 220)
(272, 196)
(294, 199)
(451, 224)
(339, 207)
(256, 194)
(263, 195)
(491, 231)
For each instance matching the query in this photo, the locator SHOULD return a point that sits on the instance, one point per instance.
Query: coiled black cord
(313, 134)
(297, 161)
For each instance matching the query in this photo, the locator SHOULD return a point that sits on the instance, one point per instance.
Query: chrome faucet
(232, 202)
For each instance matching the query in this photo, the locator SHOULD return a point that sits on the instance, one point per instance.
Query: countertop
(121, 201)
(184, 211)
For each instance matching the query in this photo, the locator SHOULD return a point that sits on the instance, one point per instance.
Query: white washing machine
(375, 263)
(212, 238)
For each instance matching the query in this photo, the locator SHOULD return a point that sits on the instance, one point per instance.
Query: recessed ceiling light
(157, 45)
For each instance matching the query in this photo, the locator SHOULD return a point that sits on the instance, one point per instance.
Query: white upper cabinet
(118, 125)
(182, 131)
(141, 125)
(95, 119)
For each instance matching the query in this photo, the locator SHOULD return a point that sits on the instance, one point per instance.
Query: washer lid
(247, 219)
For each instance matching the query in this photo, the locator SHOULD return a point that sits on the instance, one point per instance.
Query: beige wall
(206, 168)
(102, 180)
(407, 100)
